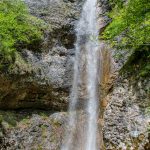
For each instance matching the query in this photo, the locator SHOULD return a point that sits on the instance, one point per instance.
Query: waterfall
(82, 130)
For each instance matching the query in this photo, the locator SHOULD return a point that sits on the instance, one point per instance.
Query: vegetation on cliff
(18, 29)
(129, 29)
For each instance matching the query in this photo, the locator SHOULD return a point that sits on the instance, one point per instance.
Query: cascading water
(83, 131)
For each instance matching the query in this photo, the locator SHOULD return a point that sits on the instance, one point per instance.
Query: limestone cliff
(42, 80)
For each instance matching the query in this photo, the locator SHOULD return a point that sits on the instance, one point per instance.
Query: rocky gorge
(34, 91)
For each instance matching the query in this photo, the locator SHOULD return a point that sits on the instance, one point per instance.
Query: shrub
(18, 28)
(130, 28)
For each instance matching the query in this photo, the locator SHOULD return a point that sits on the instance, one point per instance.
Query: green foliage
(133, 21)
(116, 3)
(9, 118)
(130, 28)
(139, 62)
(18, 28)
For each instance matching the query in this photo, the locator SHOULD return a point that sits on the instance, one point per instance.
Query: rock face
(126, 120)
(125, 100)
(43, 79)
(31, 130)
(125, 105)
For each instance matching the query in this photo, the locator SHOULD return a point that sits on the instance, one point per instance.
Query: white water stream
(83, 131)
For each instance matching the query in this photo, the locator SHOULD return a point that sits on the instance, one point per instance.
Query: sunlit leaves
(133, 19)
(16, 26)
(130, 29)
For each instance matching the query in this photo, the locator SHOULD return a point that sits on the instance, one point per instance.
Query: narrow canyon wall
(42, 80)
(125, 103)
(124, 100)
